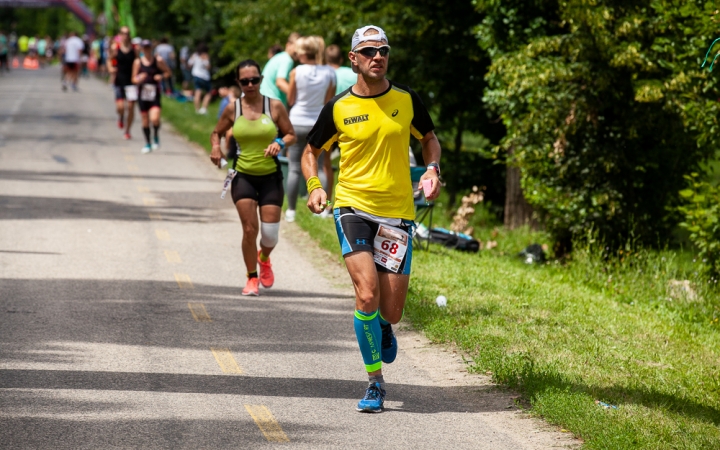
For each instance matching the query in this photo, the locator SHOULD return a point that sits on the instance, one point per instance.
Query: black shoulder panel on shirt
(421, 117)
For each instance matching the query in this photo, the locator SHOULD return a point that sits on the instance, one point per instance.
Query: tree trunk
(518, 211)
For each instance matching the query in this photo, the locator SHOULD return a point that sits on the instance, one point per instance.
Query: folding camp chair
(423, 209)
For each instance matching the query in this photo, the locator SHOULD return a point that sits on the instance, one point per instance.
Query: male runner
(120, 65)
(72, 52)
(374, 211)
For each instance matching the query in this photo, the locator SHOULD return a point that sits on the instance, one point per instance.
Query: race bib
(148, 92)
(390, 246)
(131, 93)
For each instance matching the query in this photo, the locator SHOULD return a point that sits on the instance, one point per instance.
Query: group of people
(75, 54)
(137, 74)
(369, 119)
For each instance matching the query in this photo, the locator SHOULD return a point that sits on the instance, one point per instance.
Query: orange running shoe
(267, 277)
(251, 288)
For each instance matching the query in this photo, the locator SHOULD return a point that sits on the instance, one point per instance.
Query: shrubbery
(701, 212)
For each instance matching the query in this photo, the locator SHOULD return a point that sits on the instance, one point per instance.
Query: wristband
(313, 183)
(281, 143)
(435, 166)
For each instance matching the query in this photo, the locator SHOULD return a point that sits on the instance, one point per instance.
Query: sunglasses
(246, 81)
(370, 52)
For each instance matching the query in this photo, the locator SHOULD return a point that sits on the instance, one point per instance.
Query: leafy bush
(701, 212)
(606, 112)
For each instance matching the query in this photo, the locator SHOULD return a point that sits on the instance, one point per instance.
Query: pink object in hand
(427, 187)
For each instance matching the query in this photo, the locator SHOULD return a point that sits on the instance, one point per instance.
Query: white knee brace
(270, 234)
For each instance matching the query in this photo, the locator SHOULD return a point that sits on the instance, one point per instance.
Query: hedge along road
(123, 324)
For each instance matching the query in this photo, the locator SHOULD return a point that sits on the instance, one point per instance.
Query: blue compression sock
(369, 336)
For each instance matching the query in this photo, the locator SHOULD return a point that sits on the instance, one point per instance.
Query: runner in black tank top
(148, 72)
(120, 65)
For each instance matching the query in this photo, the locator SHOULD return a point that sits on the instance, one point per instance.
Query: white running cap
(359, 36)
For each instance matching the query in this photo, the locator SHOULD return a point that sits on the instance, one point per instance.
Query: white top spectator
(312, 82)
(199, 66)
(73, 49)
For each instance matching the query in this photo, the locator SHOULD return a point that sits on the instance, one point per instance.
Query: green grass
(195, 127)
(566, 335)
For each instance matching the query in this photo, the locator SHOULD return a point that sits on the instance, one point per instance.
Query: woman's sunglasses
(370, 52)
(246, 81)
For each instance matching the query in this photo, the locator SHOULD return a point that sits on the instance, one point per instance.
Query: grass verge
(566, 336)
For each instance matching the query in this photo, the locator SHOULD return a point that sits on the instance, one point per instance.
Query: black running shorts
(264, 189)
(357, 234)
(147, 106)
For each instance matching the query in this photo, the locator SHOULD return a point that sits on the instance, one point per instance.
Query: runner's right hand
(317, 201)
(216, 155)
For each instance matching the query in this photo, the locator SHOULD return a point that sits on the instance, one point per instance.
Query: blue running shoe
(373, 400)
(389, 344)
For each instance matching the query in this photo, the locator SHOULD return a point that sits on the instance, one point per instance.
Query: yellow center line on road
(137, 179)
(199, 313)
(143, 189)
(162, 235)
(133, 168)
(129, 158)
(173, 256)
(148, 201)
(154, 216)
(266, 422)
(225, 360)
(183, 280)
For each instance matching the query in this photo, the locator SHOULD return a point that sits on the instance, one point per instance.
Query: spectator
(200, 63)
(185, 67)
(276, 72)
(311, 86)
(167, 52)
(274, 50)
(344, 75)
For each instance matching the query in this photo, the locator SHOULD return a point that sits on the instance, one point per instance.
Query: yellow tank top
(253, 137)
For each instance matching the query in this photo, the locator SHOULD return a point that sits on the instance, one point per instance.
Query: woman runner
(257, 183)
(148, 72)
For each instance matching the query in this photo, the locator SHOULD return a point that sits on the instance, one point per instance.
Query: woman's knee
(250, 230)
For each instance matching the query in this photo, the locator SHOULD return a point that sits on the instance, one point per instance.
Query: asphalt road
(122, 323)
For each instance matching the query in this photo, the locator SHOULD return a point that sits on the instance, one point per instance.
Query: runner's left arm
(422, 127)
(431, 154)
(280, 117)
(164, 67)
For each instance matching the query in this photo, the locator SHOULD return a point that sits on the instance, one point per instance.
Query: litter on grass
(605, 405)
(441, 301)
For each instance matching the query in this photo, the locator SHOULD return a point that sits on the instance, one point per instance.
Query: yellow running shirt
(373, 134)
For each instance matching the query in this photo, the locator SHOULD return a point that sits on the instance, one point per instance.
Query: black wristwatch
(435, 166)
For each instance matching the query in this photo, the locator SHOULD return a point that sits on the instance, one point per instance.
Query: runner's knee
(250, 230)
(366, 298)
(270, 234)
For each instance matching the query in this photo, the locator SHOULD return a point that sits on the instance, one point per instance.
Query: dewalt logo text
(356, 119)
